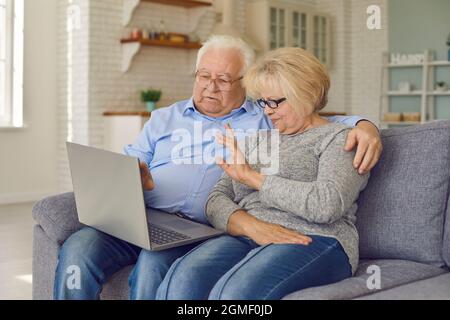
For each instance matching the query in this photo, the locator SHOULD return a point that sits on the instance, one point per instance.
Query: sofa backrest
(405, 206)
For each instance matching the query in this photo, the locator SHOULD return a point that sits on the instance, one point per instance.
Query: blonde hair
(301, 77)
(229, 42)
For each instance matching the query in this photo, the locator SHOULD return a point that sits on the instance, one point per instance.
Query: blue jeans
(236, 268)
(94, 257)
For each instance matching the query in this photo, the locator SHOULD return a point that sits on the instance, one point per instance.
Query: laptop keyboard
(161, 236)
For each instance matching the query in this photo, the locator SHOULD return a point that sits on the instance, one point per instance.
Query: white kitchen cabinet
(283, 23)
(122, 128)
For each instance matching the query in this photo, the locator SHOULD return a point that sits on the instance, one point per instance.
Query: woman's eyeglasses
(272, 104)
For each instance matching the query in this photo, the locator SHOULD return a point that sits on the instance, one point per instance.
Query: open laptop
(109, 197)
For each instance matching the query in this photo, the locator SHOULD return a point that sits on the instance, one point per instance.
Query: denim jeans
(94, 257)
(236, 268)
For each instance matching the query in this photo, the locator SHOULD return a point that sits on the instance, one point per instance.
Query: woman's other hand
(237, 167)
(243, 224)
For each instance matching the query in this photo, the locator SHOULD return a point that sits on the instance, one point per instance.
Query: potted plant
(441, 86)
(150, 97)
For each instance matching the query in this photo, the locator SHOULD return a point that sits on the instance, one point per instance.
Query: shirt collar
(248, 106)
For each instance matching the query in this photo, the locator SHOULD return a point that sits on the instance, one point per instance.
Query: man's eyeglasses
(272, 104)
(204, 80)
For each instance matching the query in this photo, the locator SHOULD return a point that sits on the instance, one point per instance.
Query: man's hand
(367, 139)
(146, 177)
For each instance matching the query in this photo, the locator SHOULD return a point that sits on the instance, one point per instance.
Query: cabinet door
(277, 27)
(299, 30)
(321, 38)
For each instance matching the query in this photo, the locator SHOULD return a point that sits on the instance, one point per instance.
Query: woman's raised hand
(237, 167)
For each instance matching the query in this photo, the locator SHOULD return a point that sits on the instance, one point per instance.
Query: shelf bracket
(129, 50)
(128, 8)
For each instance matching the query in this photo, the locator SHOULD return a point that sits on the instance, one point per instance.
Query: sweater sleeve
(220, 204)
(328, 198)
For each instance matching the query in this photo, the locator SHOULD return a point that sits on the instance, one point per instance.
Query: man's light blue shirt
(182, 180)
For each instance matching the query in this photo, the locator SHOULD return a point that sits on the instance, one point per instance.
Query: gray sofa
(403, 222)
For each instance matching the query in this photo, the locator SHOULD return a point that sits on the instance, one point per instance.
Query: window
(299, 30)
(277, 28)
(11, 63)
(275, 24)
(320, 38)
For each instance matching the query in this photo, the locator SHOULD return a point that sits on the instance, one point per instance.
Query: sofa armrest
(57, 216)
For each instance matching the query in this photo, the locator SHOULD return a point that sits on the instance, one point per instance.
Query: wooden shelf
(405, 65)
(399, 93)
(412, 65)
(439, 93)
(126, 113)
(131, 47)
(182, 3)
(401, 123)
(439, 63)
(164, 43)
(129, 6)
(332, 114)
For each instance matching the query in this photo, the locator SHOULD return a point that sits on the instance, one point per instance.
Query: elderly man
(183, 186)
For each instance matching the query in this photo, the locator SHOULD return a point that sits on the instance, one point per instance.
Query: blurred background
(91, 72)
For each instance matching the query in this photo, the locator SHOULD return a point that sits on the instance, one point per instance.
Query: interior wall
(28, 155)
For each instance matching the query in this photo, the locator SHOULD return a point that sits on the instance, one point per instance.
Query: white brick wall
(73, 91)
(340, 68)
(367, 47)
(357, 54)
(98, 84)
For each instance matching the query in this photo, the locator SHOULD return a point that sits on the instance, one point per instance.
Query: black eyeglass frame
(263, 103)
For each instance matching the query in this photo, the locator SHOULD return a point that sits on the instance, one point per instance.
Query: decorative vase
(150, 106)
(441, 87)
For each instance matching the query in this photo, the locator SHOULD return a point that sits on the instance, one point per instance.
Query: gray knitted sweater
(314, 191)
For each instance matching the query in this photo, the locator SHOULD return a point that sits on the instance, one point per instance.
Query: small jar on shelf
(162, 31)
(411, 116)
(393, 117)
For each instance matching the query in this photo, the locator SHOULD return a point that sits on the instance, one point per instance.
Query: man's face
(222, 65)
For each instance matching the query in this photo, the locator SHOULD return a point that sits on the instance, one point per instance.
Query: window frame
(13, 113)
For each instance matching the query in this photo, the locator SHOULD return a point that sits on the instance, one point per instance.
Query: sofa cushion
(57, 215)
(392, 274)
(45, 255)
(437, 288)
(446, 249)
(401, 211)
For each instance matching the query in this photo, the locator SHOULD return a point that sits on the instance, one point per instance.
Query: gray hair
(229, 42)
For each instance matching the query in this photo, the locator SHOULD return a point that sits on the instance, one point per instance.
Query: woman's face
(284, 118)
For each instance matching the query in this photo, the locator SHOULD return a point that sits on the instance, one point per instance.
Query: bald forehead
(222, 61)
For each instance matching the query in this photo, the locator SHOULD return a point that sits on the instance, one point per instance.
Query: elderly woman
(286, 231)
